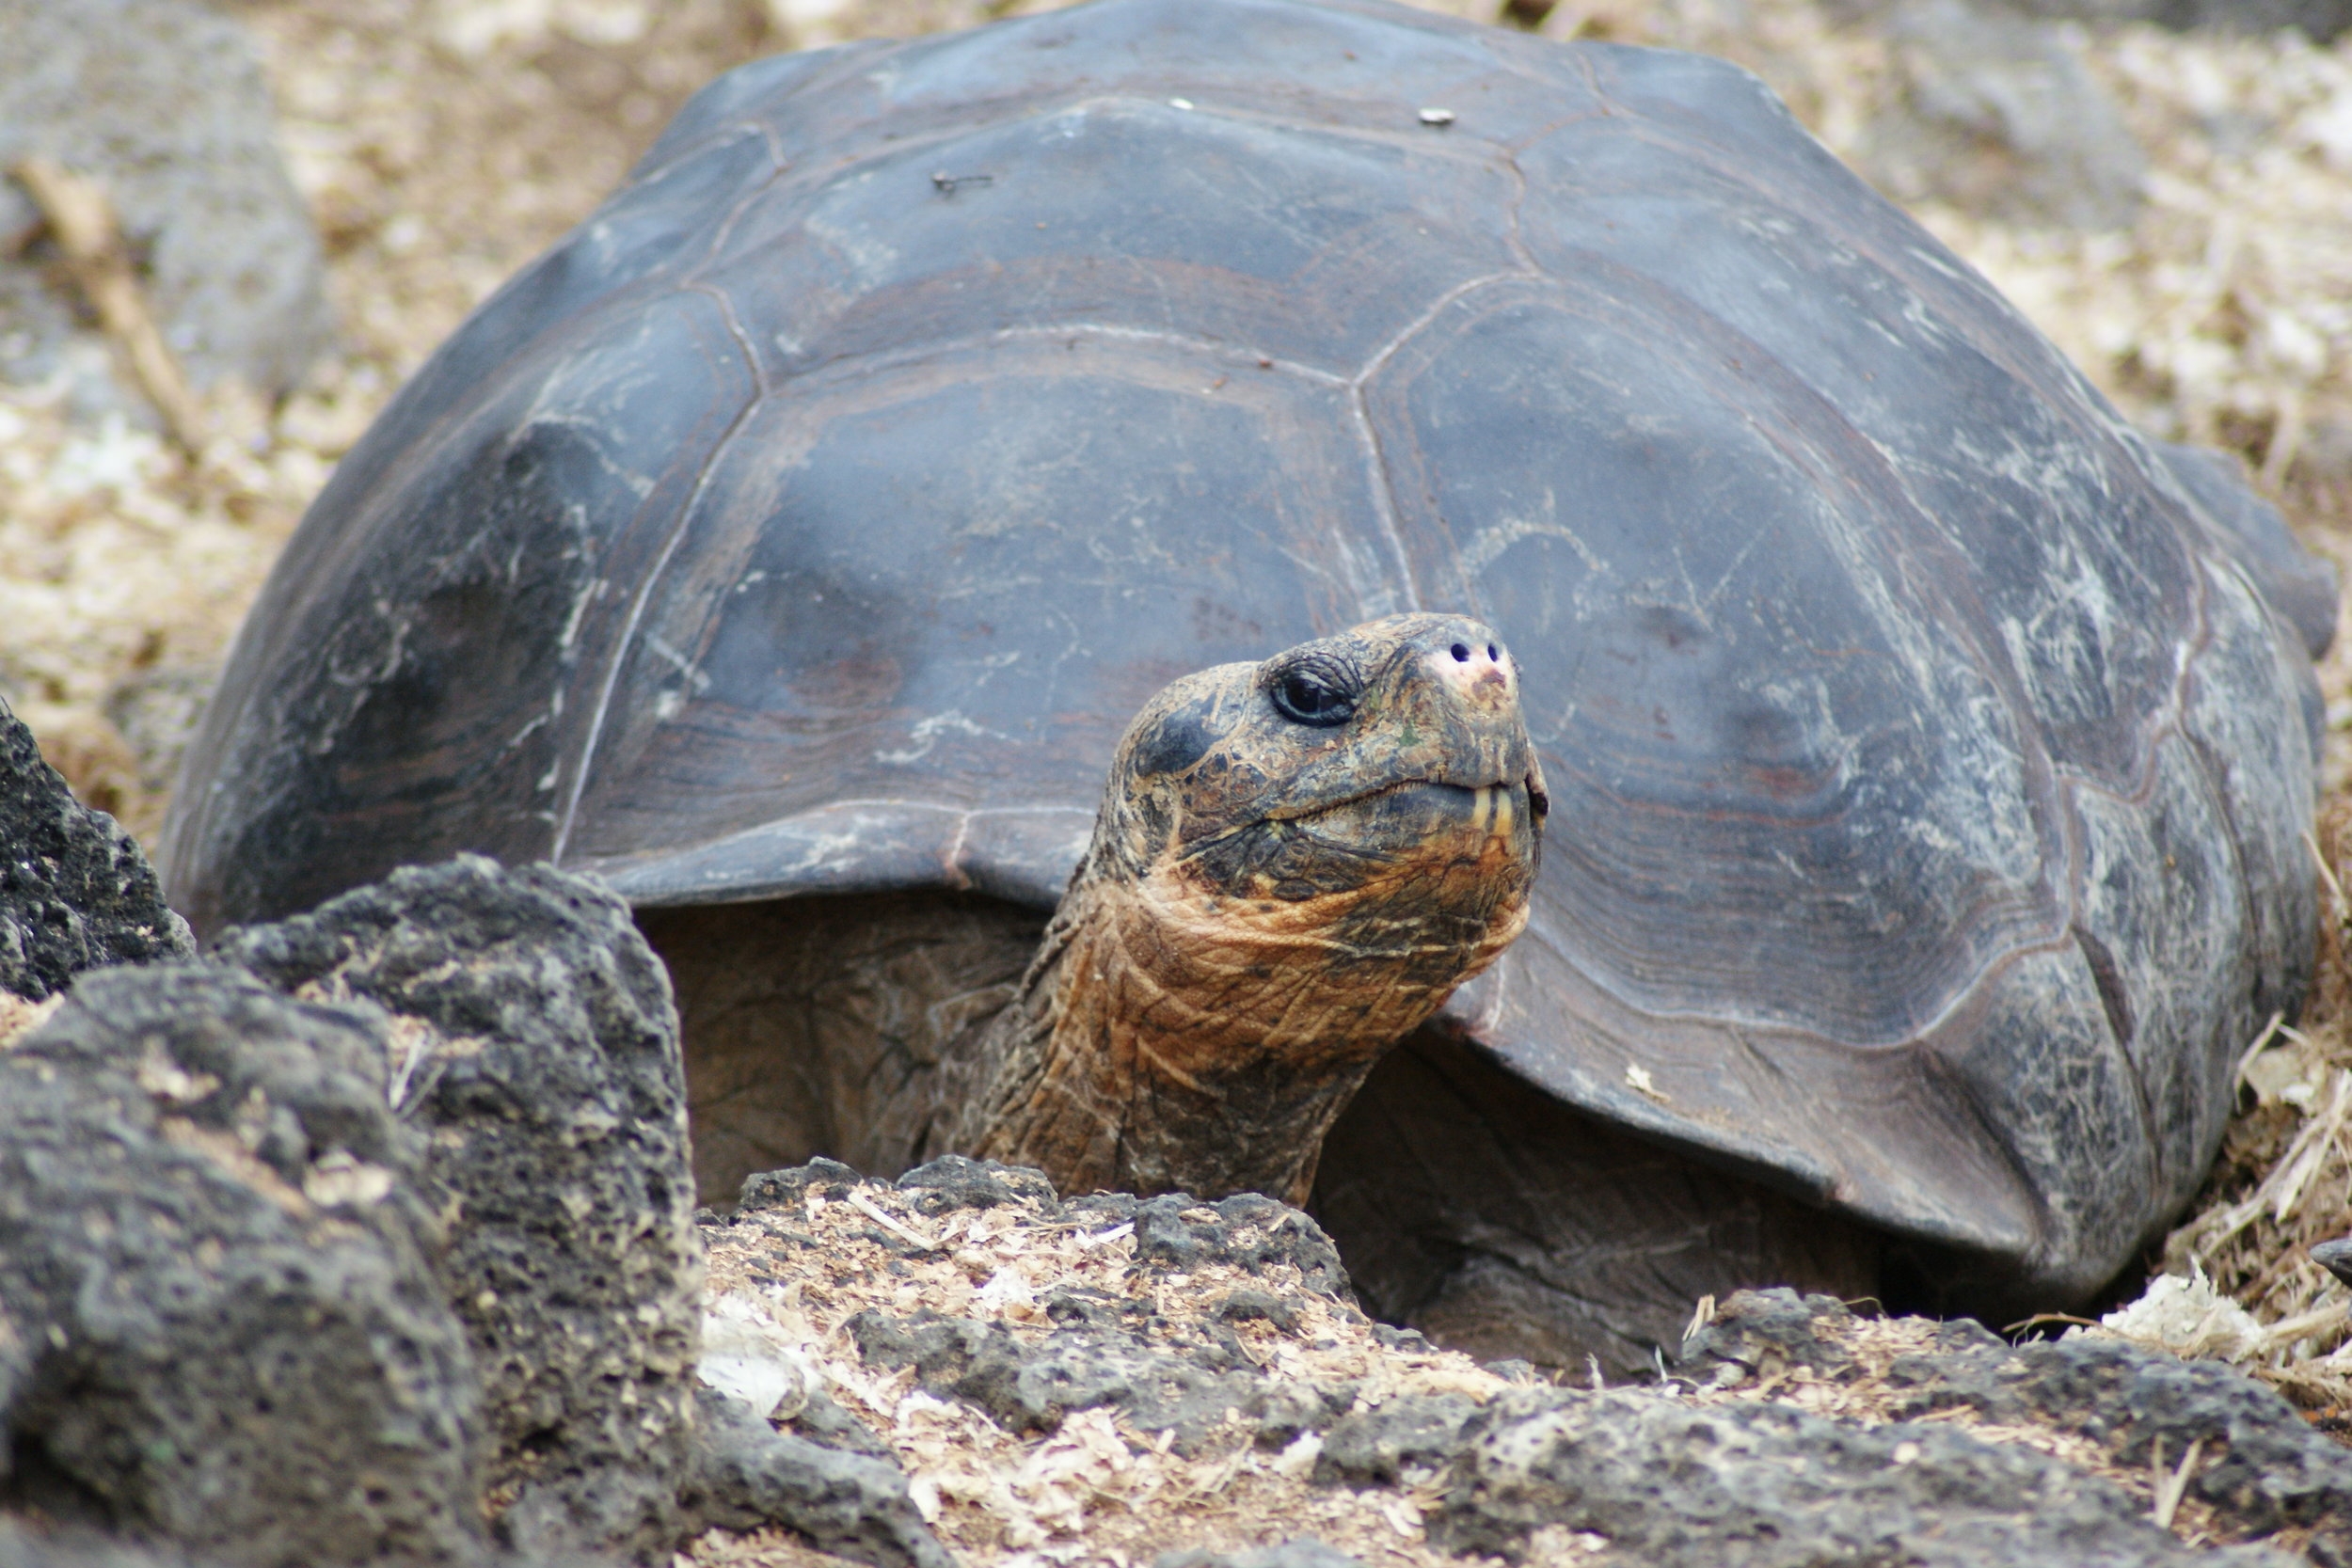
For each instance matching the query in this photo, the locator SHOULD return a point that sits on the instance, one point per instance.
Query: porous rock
(853, 1505)
(162, 102)
(1030, 1385)
(75, 893)
(1246, 1231)
(1405, 1439)
(219, 1320)
(539, 1059)
(953, 1182)
(2262, 1467)
(823, 1422)
(1761, 1486)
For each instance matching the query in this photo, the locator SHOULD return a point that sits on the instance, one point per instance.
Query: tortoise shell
(1930, 752)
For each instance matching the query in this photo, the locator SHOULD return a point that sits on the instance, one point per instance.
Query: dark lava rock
(1766, 1485)
(219, 1320)
(75, 893)
(2262, 1467)
(1178, 1232)
(788, 1189)
(537, 1053)
(1025, 1386)
(748, 1474)
(1079, 1305)
(953, 1182)
(1766, 1332)
(1257, 1306)
(823, 1422)
(162, 103)
(1283, 1411)
(1303, 1552)
(1406, 1440)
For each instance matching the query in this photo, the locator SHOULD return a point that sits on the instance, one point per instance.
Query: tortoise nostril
(1461, 653)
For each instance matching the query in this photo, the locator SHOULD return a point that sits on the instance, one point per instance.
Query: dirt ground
(443, 143)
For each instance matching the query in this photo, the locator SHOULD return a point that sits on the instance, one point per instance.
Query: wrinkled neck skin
(1172, 1036)
(1295, 863)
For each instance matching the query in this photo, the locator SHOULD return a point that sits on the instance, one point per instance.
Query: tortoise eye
(1315, 691)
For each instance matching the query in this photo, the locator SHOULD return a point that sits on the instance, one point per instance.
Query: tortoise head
(1295, 863)
(1374, 790)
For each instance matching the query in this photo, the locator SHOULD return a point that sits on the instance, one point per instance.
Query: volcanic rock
(538, 1061)
(853, 1505)
(1761, 1486)
(75, 893)
(2258, 1465)
(220, 1325)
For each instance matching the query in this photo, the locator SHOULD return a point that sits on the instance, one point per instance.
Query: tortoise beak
(1463, 688)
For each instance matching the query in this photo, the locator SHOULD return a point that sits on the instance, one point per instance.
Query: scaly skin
(1269, 903)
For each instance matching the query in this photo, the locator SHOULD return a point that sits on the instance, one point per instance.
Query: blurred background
(228, 231)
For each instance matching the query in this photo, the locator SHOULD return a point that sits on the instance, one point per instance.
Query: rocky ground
(2189, 244)
(1107, 1381)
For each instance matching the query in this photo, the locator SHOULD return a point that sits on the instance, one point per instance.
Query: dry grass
(444, 142)
(2283, 1182)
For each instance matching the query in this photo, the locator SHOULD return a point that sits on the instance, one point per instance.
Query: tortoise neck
(1150, 1050)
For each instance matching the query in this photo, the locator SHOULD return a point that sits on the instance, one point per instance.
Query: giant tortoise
(1929, 754)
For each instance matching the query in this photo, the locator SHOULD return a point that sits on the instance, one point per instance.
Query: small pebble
(1437, 117)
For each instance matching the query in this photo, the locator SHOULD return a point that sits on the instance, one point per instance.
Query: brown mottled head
(1295, 863)
(1379, 755)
